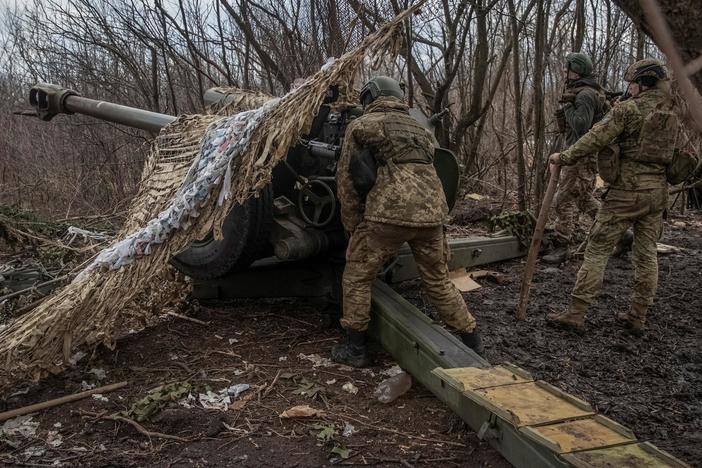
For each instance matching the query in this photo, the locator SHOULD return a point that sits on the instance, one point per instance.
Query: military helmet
(380, 86)
(646, 67)
(580, 63)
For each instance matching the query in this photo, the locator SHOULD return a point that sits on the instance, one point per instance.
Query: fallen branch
(185, 317)
(143, 430)
(270, 387)
(395, 431)
(59, 401)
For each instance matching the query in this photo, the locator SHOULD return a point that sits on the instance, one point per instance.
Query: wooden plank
(462, 280)
(581, 434)
(642, 455)
(471, 378)
(529, 404)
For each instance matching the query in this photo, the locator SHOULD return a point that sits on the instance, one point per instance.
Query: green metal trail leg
(419, 346)
(465, 253)
(417, 343)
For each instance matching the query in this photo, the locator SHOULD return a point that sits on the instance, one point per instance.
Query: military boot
(558, 254)
(635, 318)
(573, 318)
(352, 351)
(473, 340)
(624, 245)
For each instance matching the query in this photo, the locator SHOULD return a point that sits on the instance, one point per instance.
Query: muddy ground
(653, 385)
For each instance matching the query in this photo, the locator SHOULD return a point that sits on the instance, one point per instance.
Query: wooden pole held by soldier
(536, 238)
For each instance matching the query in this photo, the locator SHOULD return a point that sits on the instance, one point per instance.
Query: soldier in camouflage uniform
(645, 127)
(583, 104)
(405, 204)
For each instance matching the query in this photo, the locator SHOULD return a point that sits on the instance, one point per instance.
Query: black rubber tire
(245, 239)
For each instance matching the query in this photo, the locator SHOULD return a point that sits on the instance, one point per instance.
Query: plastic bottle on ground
(391, 389)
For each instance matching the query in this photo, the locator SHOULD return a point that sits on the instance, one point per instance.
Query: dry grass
(95, 308)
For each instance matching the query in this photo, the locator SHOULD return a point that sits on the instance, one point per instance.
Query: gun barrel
(50, 100)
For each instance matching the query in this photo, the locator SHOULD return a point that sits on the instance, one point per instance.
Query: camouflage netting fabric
(198, 167)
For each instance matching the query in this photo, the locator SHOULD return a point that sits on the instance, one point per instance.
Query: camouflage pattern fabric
(624, 123)
(621, 210)
(407, 191)
(577, 184)
(372, 244)
(636, 199)
(575, 196)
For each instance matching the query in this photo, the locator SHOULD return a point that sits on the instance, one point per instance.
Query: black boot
(559, 254)
(473, 341)
(624, 245)
(352, 351)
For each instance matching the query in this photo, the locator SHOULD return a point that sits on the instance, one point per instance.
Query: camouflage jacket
(407, 191)
(585, 110)
(624, 123)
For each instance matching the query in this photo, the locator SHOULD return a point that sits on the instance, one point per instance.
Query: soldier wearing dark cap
(583, 104)
(406, 203)
(645, 127)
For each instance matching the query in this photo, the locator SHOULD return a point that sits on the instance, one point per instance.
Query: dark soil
(653, 384)
(414, 430)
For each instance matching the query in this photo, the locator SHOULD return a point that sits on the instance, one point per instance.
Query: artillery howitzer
(296, 217)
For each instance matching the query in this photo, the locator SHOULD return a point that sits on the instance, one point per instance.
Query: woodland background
(495, 64)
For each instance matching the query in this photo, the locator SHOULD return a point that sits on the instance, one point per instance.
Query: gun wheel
(245, 239)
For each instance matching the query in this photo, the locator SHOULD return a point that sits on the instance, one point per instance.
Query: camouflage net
(103, 302)
(520, 224)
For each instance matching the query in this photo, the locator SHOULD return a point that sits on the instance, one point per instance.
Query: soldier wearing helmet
(583, 104)
(645, 128)
(405, 203)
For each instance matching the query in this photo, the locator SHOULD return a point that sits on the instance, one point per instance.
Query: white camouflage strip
(222, 143)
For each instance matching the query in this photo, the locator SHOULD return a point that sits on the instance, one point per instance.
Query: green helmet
(580, 63)
(646, 67)
(380, 86)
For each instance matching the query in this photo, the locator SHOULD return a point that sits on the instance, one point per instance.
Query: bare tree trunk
(539, 120)
(518, 117)
(640, 44)
(579, 25)
(480, 68)
(155, 104)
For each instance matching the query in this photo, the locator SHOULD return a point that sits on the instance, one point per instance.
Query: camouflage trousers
(372, 244)
(642, 210)
(574, 196)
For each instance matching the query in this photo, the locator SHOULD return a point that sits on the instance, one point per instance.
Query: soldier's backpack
(658, 136)
(682, 166)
